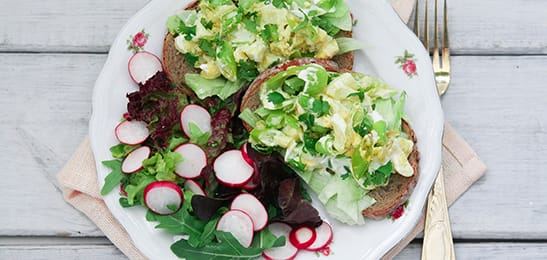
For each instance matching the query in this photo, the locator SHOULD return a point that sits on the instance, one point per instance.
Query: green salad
(341, 132)
(231, 42)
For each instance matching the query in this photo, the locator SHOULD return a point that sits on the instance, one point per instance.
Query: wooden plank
(45, 108)
(476, 27)
(496, 103)
(413, 251)
(485, 251)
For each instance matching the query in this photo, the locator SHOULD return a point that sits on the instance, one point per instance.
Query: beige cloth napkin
(78, 179)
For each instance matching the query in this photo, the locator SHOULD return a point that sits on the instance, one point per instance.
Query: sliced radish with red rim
(253, 183)
(302, 237)
(197, 115)
(239, 224)
(249, 204)
(244, 149)
(143, 65)
(194, 187)
(131, 132)
(133, 161)
(159, 196)
(323, 237)
(232, 170)
(288, 251)
(194, 160)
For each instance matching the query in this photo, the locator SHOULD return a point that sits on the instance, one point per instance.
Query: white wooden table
(52, 51)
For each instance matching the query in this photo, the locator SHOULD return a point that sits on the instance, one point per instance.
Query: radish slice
(302, 237)
(253, 183)
(194, 160)
(249, 204)
(193, 187)
(143, 65)
(231, 169)
(131, 132)
(323, 237)
(133, 162)
(248, 159)
(288, 251)
(197, 115)
(239, 224)
(159, 194)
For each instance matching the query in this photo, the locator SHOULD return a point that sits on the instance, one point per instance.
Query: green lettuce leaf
(346, 44)
(211, 87)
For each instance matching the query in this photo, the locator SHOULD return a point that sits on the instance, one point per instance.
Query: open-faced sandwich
(343, 132)
(218, 47)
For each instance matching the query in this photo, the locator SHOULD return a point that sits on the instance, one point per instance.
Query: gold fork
(437, 242)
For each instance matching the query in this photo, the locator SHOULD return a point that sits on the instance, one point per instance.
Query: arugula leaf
(197, 136)
(121, 150)
(228, 247)
(265, 239)
(276, 98)
(207, 235)
(207, 47)
(114, 178)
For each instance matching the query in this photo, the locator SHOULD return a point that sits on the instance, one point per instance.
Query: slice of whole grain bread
(395, 194)
(389, 197)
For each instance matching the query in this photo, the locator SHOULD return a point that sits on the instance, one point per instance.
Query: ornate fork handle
(437, 234)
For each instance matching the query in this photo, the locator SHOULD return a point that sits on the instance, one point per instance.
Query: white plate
(386, 37)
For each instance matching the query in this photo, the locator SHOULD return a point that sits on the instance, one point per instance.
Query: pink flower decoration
(139, 39)
(407, 63)
(409, 67)
(136, 43)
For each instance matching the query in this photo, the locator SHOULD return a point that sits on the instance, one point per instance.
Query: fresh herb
(251, 22)
(114, 178)
(269, 33)
(228, 247)
(207, 47)
(380, 177)
(320, 107)
(206, 24)
(364, 127)
(191, 59)
(309, 143)
(308, 120)
(121, 150)
(276, 98)
(326, 25)
(197, 136)
(247, 70)
(217, 3)
(360, 94)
